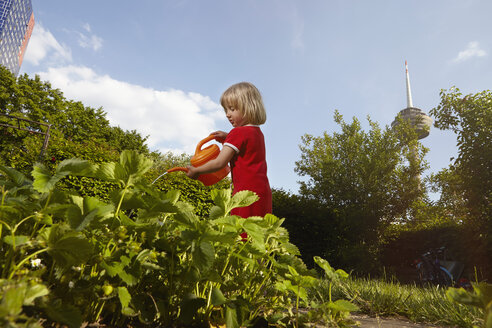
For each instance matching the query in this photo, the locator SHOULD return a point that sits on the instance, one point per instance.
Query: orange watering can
(201, 157)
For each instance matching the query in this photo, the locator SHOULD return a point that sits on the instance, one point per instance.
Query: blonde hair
(246, 98)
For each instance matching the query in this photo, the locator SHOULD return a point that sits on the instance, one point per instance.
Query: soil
(394, 322)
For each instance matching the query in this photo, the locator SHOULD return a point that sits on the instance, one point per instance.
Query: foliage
(82, 132)
(73, 125)
(312, 227)
(192, 191)
(367, 179)
(469, 176)
(480, 298)
(143, 257)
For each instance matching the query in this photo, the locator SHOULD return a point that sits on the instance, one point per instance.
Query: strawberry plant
(481, 297)
(143, 256)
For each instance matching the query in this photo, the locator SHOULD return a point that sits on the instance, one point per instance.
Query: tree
(366, 178)
(75, 128)
(468, 180)
(470, 117)
(83, 132)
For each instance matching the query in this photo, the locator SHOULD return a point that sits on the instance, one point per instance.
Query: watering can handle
(178, 168)
(201, 143)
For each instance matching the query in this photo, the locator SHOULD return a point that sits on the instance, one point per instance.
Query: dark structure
(16, 25)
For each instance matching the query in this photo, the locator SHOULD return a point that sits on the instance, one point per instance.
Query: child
(244, 148)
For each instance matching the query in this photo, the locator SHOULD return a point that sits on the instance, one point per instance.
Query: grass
(418, 304)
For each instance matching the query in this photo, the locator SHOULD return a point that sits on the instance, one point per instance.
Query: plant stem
(121, 201)
(48, 200)
(297, 304)
(22, 221)
(100, 310)
(25, 260)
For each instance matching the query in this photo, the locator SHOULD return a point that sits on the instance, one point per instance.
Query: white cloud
(89, 41)
(472, 50)
(174, 120)
(289, 13)
(44, 46)
(92, 41)
(297, 39)
(297, 23)
(87, 27)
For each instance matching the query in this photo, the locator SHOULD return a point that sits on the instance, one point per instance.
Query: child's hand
(192, 172)
(219, 136)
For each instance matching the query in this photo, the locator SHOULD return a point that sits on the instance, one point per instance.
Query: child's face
(235, 117)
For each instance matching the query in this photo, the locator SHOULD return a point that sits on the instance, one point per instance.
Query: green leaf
(128, 277)
(189, 307)
(236, 312)
(342, 274)
(124, 297)
(135, 163)
(329, 271)
(76, 166)
(17, 178)
(255, 232)
(131, 168)
(484, 290)
(286, 285)
(13, 298)
(164, 206)
(291, 248)
(244, 198)
(129, 312)
(19, 240)
(216, 212)
(185, 216)
(308, 281)
(88, 209)
(112, 268)
(203, 255)
(68, 247)
(105, 171)
(125, 220)
(223, 237)
(232, 320)
(293, 271)
(217, 297)
(460, 295)
(230, 221)
(64, 313)
(43, 181)
(221, 198)
(10, 214)
(34, 291)
(343, 306)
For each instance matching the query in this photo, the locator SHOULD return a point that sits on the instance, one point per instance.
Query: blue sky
(159, 67)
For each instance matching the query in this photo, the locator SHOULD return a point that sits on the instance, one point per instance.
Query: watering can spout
(202, 156)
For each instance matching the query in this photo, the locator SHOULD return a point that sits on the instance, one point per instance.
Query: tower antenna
(409, 92)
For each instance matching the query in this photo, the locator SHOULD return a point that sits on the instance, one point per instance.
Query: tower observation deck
(418, 119)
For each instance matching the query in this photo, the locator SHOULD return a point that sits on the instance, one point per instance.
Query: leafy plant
(141, 256)
(480, 298)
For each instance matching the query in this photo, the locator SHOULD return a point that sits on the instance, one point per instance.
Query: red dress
(249, 169)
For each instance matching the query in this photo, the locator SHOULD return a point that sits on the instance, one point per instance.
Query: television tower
(418, 119)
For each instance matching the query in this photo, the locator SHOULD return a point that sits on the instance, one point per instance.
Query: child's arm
(214, 165)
